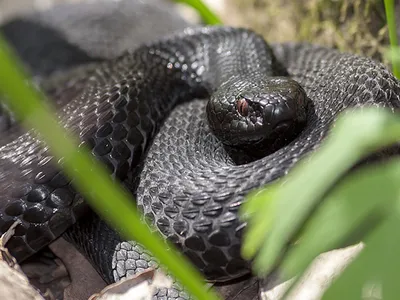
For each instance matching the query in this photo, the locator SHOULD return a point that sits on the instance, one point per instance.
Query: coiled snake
(192, 181)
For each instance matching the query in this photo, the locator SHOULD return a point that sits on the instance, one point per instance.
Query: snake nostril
(242, 107)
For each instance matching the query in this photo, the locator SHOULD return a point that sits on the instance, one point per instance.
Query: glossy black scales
(44, 202)
(115, 108)
(187, 168)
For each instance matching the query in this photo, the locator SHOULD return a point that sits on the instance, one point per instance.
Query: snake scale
(141, 113)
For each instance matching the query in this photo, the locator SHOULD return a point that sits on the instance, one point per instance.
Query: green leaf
(393, 53)
(108, 199)
(358, 203)
(258, 214)
(377, 267)
(371, 129)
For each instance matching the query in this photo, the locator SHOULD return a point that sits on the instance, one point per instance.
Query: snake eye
(242, 107)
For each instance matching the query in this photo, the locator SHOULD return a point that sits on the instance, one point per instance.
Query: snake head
(260, 115)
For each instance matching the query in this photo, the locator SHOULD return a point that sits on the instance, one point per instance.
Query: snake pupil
(242, 107)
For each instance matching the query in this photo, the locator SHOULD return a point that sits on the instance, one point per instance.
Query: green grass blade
(394, 55)
(106, 197)
(259, 215)
(207, 15)
(391, 23)
(309, 181)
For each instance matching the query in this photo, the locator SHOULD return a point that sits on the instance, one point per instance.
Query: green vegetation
(205, 13)
(391, 21)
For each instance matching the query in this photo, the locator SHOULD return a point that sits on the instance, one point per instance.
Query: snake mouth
(281, 135)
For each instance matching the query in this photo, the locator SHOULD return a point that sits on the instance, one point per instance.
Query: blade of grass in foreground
(394, 55)
(391, 22)
(91, 179)
(368, 130)
(207, 15)
(258, 223)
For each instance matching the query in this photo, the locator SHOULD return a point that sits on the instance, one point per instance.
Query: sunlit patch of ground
(356, 26)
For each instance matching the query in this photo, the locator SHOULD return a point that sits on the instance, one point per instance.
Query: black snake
(189, 185)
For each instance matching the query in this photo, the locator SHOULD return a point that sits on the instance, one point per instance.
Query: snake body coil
(189, 188)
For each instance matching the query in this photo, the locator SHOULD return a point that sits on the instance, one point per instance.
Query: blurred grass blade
(258, 222)
(360, 202)
(91, 179)
(376, 270)
(207, 15)
(391, 23)
(393, 54)
(354, 136)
